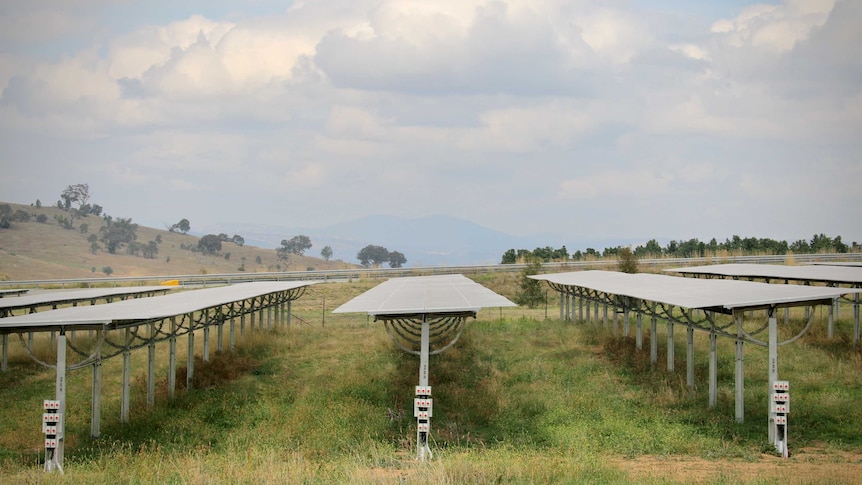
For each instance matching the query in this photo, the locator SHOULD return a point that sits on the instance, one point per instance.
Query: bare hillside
(46, 250)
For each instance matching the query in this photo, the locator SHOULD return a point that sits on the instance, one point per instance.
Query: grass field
(519, 399)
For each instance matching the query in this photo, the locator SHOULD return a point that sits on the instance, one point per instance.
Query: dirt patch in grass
(806, 465)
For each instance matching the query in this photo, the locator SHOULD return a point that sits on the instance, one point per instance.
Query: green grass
(518, 400)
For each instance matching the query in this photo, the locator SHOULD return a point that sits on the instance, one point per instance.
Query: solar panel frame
(141, 310)
(437, 294)
(696, 293)
(844, 274)
(62, 297)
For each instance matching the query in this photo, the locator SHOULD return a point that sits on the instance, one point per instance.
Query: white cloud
(626, 184)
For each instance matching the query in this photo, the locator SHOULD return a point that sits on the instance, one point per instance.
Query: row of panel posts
(779, 399)
(53, 417)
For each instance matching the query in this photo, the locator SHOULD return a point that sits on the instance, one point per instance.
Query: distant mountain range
(426, 241)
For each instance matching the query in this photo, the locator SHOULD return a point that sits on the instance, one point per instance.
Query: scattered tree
(326, 252)
(107, 270)
(396, 259)
(210, 244)
(372, 255)
(295, 245)
(151, 250)
(75, 194)
(115, 233)
(627, 261)
(182, 227)
(5, 216)
(530, 292)
(238, 240)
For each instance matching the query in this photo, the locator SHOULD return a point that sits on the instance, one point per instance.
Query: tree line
(819, 243)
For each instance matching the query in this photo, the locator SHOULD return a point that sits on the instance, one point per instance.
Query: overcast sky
(615, 119)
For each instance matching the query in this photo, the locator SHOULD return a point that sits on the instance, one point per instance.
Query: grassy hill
(46, 250)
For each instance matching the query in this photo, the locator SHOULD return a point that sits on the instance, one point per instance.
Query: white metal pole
(172, 359)
(151, 368)
(653, 338)
(96, 402)
(424, 350)
(689, 357)
(773, 368)
(713, 369)
(190, 358)
(740, 369)
(56, 460)
(639, 333)
(670, 349)
(127, 371)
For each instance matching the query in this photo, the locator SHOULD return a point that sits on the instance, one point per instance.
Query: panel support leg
(639, 333)
(172, 359)
(653, 340)
(151, 369)
(740, 370)
(689, 357)
(713, 370)
(773, 368)
(670, 348)
(127, 371)
(54, 458)
(423, 428)
(96, 402)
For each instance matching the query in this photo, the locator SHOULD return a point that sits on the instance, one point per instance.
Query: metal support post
(653, 338)
(713, 369)
(220, 336)
(689, 357)
(830, 329)
(562, 305)
(96, 402)
(740, 369)
(773, 366)
(54, 449)
(232, 334)
(127, 372)
(4, 365)
(172, 359)
(588, 304)
(626, 321)
(856, 327)
(670, 349)
(206, 349)
(639, 333)
(190, 359)
(151, 368)
(423, 392)
(605, 316)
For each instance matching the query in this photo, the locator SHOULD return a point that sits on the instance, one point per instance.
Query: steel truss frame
(424, 334)
(122, 337)
(694, 319)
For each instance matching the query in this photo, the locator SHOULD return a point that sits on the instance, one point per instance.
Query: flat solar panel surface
(694, 293)
(70, 296)
(826, 274)
(145, 309)
(425, 294)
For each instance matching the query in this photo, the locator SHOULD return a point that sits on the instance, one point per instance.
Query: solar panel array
(845, 274)
(146, 309)
(425, 294)
(695, 293)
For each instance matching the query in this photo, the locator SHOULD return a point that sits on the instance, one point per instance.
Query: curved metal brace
(87, 361)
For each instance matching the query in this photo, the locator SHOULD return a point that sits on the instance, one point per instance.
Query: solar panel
(145, 309)
(820, 273)
(695, 293)
(69, 296)
(425, 294)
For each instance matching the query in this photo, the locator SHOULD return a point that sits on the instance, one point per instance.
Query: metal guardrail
(372, 273)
